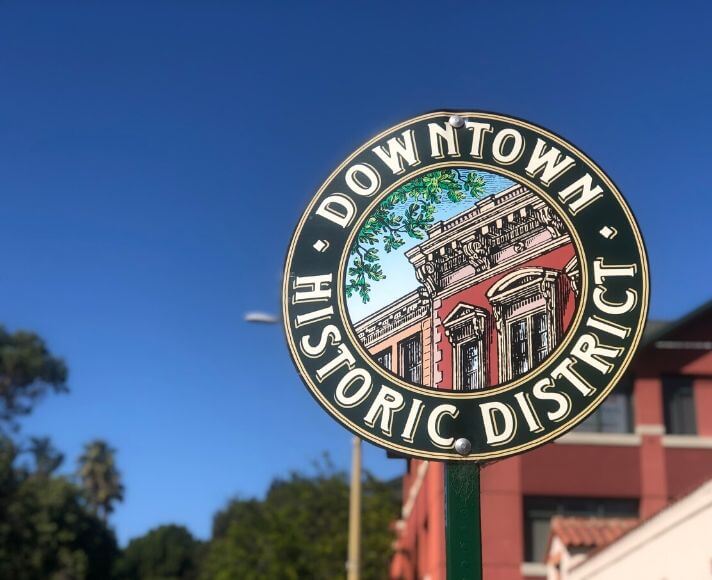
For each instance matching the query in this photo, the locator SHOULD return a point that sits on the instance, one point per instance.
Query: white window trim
(533, 569)
(650, 429)
(687, 441)
(610, 439)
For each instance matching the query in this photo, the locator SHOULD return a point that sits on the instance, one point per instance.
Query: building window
(540, 337)
(411, 359)
(615, 414)
(538, 512)
(519, 347)
(526, 306)
(679, 405)
(528, 342)
(465, 328)
(471, 365)
(384, 358)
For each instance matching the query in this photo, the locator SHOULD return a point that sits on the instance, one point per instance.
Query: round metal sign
(464, 286)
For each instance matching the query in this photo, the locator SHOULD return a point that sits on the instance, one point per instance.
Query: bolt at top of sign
(456, 121)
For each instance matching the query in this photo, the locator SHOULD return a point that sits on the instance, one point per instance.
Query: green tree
(406, 212)
(241, 544)
(382, 506)
(46, 530)
(100, 477)
(47, 459)
(165, 553)
(28, 370)
(300, 530)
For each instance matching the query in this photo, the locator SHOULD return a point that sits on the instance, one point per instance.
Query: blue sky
(155, 157)
(399, 273)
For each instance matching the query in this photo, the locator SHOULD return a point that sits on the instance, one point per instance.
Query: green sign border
(303, 260)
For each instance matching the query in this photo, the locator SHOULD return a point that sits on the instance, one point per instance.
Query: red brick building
(499, 284)
(648, 444)
(499, 288)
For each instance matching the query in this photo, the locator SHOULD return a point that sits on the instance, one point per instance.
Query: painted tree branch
(389, 226)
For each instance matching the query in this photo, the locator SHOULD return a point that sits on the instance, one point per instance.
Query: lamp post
(353, 563)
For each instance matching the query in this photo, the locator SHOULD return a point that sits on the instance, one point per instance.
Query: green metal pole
(463, 534)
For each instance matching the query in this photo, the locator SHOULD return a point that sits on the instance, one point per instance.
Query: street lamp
(261, 317)
(353, 563)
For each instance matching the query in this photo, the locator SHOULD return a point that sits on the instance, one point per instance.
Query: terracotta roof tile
(590, 532)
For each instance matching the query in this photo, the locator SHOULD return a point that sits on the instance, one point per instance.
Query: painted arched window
(465, 327)
(526, 308)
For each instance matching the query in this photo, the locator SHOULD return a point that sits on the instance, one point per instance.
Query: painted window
(519, 346)
(679, 405)
(526, 307)
(384, 358)
(540, 337)
(528, 342)
(411, 359)
(465, 328)
(615, 415)
(538, 512)
(471, 357)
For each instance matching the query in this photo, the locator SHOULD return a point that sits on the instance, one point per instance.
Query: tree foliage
(28, 370)
(100, 477)
(46, 530)
(54, 527)
(165, 553)
(47, 458)
(300, 530)
(406, 212)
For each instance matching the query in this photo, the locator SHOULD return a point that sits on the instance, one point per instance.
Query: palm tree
(100, 478)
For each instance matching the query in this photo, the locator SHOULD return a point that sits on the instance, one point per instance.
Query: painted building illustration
(646, 446)
(498, 290)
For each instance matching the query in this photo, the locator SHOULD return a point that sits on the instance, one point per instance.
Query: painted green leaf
(394, 220)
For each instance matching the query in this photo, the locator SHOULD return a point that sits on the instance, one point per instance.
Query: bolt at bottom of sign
(463, 446)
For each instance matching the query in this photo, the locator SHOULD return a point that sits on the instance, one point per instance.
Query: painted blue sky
(400, 276)
(156, 156)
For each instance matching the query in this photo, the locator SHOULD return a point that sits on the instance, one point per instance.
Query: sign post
(464, 287)
(463, 532)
